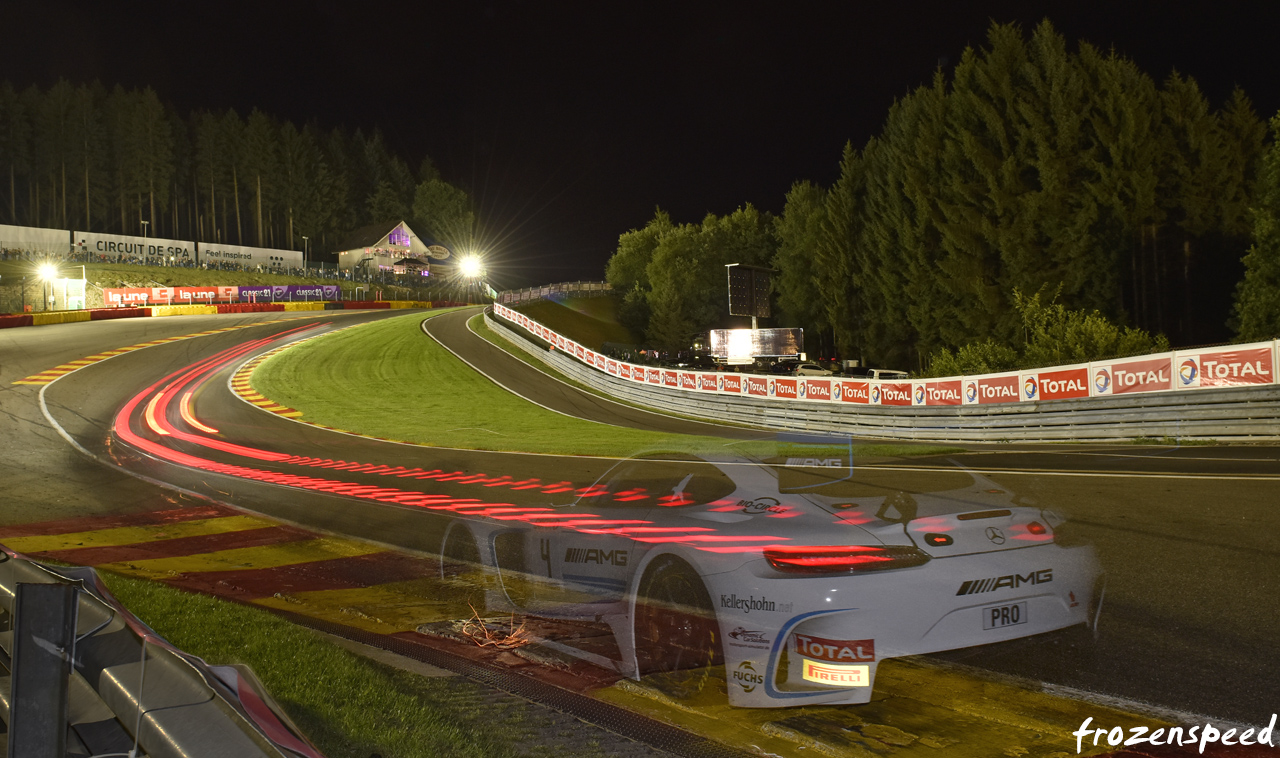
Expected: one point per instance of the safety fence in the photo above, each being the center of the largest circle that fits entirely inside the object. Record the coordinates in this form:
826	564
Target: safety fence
1224	393
85	670
100	314
554	291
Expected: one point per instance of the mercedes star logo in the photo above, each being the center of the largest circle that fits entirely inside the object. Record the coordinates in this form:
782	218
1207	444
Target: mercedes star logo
995	535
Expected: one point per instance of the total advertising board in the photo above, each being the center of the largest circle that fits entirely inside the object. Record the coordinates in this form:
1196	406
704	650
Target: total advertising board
148	250
1227	366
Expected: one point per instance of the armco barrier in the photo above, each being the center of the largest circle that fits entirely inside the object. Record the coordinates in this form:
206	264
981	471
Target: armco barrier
316	306
127	684
59	317
1250	413
10	320
250	307
183	310
106	314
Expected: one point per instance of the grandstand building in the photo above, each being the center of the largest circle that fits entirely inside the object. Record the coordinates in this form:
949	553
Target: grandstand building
399	250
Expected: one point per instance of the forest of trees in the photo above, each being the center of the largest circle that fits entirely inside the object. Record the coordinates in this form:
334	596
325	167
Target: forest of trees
88	158
1027	170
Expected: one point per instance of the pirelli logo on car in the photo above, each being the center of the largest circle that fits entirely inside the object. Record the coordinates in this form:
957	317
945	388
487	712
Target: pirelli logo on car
1012	581
835	674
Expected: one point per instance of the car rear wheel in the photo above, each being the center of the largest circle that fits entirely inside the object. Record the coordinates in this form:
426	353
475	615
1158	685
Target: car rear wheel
677	634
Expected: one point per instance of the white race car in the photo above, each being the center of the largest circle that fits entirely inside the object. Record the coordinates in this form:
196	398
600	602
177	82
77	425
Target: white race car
799	578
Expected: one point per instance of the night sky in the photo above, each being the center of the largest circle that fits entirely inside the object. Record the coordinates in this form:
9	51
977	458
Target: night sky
569	123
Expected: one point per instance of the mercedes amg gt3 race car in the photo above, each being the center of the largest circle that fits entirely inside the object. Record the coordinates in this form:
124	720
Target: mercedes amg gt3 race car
799	578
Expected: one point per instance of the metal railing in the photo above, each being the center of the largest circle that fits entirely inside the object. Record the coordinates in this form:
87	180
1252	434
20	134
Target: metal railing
1232	414
129	691
554	292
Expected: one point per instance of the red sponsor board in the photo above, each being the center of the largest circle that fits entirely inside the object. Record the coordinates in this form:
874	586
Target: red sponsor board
1001	389
1059	385
654	376
854	392
942	393
579	351
756	385
895	393
707	382
688	381
1231	367
732	383
1142	376
815	389
670	379
624	370
612	367
600	361
785	389
196	294
116	297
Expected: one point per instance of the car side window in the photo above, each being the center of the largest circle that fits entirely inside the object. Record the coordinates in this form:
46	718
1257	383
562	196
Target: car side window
666	483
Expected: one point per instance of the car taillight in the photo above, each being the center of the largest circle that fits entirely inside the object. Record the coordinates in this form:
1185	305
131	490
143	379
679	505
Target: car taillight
835	559
1035	527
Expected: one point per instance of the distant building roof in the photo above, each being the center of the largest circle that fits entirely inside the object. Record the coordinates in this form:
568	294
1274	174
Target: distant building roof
397	239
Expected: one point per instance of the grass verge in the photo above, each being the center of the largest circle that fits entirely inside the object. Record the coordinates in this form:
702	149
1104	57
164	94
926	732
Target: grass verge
386	379
346	704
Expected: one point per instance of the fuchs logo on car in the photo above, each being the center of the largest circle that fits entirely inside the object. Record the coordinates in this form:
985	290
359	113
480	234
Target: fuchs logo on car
1188	372
753	603
1236	367
1102	380
836	651
595	555
749	636
920	395
1011	581
971	392
756	386
1000	390
1029	388
746	676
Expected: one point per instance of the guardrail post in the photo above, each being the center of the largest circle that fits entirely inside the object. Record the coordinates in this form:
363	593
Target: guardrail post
43	648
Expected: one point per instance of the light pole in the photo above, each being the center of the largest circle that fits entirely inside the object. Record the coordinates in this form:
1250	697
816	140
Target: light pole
145	224
305	247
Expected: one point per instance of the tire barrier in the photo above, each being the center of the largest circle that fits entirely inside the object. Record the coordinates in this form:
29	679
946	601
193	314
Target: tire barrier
130	688
1239	413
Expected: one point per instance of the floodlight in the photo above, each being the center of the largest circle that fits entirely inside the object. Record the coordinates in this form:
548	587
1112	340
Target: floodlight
48	271
471	266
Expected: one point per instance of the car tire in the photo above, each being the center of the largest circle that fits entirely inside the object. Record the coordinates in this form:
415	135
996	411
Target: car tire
676	631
